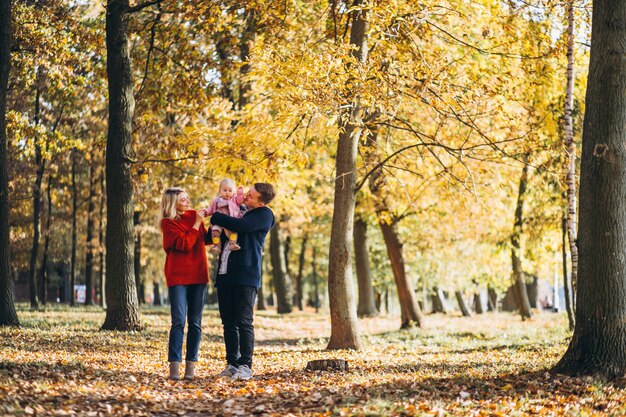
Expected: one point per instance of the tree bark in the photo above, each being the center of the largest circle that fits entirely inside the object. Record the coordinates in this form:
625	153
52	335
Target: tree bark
439	301
367	306
40	163
598	346
316	291
301	259
345	331
281	279
74	214
518	275
492	299
569	307
101	244
121	294
478	304
8	316
156	294
245	46
89	254
137	260
571	147
462	305
46	244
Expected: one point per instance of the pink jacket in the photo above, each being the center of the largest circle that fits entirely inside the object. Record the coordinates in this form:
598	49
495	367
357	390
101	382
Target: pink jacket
233	204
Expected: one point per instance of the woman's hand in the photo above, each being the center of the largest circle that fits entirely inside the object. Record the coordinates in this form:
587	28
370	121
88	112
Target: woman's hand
200	215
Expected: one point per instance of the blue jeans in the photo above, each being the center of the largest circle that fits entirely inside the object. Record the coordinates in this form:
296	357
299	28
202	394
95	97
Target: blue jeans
185	301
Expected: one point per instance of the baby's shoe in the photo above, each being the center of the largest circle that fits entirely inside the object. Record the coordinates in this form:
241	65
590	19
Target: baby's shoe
233	246
215	249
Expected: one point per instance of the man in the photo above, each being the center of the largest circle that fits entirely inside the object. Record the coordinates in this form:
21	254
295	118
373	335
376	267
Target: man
239	277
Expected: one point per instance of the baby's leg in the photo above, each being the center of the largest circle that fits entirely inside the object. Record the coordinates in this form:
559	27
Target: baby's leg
232	241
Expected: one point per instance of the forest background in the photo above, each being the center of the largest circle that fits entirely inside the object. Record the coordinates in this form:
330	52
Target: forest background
464	118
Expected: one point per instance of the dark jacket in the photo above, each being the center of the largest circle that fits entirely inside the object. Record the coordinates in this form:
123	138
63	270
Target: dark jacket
244	265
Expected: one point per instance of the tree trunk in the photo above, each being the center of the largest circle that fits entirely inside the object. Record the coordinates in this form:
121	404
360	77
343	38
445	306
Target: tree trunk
260	301
462	305
366	307
345	332
410	312
137	263
156	294
121	294
492	299
281	279
8	316
566	281
101	246
247	41
316	291
74	214
439	301
89	254
571	147
518	275
300	273
46	244
478	304
598	346
41	166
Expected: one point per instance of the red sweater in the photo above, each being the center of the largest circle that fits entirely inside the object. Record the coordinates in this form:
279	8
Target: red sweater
185	263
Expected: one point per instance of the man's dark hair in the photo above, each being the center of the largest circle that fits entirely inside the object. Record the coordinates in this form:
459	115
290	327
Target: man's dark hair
266	190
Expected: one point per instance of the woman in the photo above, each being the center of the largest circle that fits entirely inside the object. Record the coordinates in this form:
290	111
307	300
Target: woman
186	273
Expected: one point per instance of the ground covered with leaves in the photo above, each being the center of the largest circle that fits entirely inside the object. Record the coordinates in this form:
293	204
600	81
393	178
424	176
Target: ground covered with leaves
59	363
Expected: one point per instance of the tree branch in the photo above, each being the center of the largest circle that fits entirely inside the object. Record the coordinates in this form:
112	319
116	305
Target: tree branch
142	6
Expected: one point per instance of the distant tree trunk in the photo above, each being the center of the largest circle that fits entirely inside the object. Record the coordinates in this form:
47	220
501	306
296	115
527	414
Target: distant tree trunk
518	275
74	214
8	316
46	244
247	41
462	305
137	263
345	332
156	295
410	313
316	290
300	272
41	166
492	299
260	301
281	279
101	246
571	148
121	293
439	301
89	254
478	304
366	307
598	346
566	280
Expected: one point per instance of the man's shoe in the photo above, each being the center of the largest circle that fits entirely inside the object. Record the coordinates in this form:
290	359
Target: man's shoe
229	371
243	372
175	371
189	370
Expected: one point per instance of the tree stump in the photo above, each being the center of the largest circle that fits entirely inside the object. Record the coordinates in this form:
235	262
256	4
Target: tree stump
327	365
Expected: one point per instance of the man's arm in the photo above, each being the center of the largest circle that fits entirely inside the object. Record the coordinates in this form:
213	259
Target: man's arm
253	221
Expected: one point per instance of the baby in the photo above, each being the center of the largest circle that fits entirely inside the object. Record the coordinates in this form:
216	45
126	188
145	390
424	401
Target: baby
226	202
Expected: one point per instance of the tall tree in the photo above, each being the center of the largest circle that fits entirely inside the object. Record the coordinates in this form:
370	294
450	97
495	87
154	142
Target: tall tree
521	295
8	316
74	231
121	294
282	281
598	345
569	302
40	164
345	331
366	306
89	252
571	148
299	283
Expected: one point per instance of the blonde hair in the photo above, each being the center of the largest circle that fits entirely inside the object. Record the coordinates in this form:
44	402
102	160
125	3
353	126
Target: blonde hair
168	204
226	181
